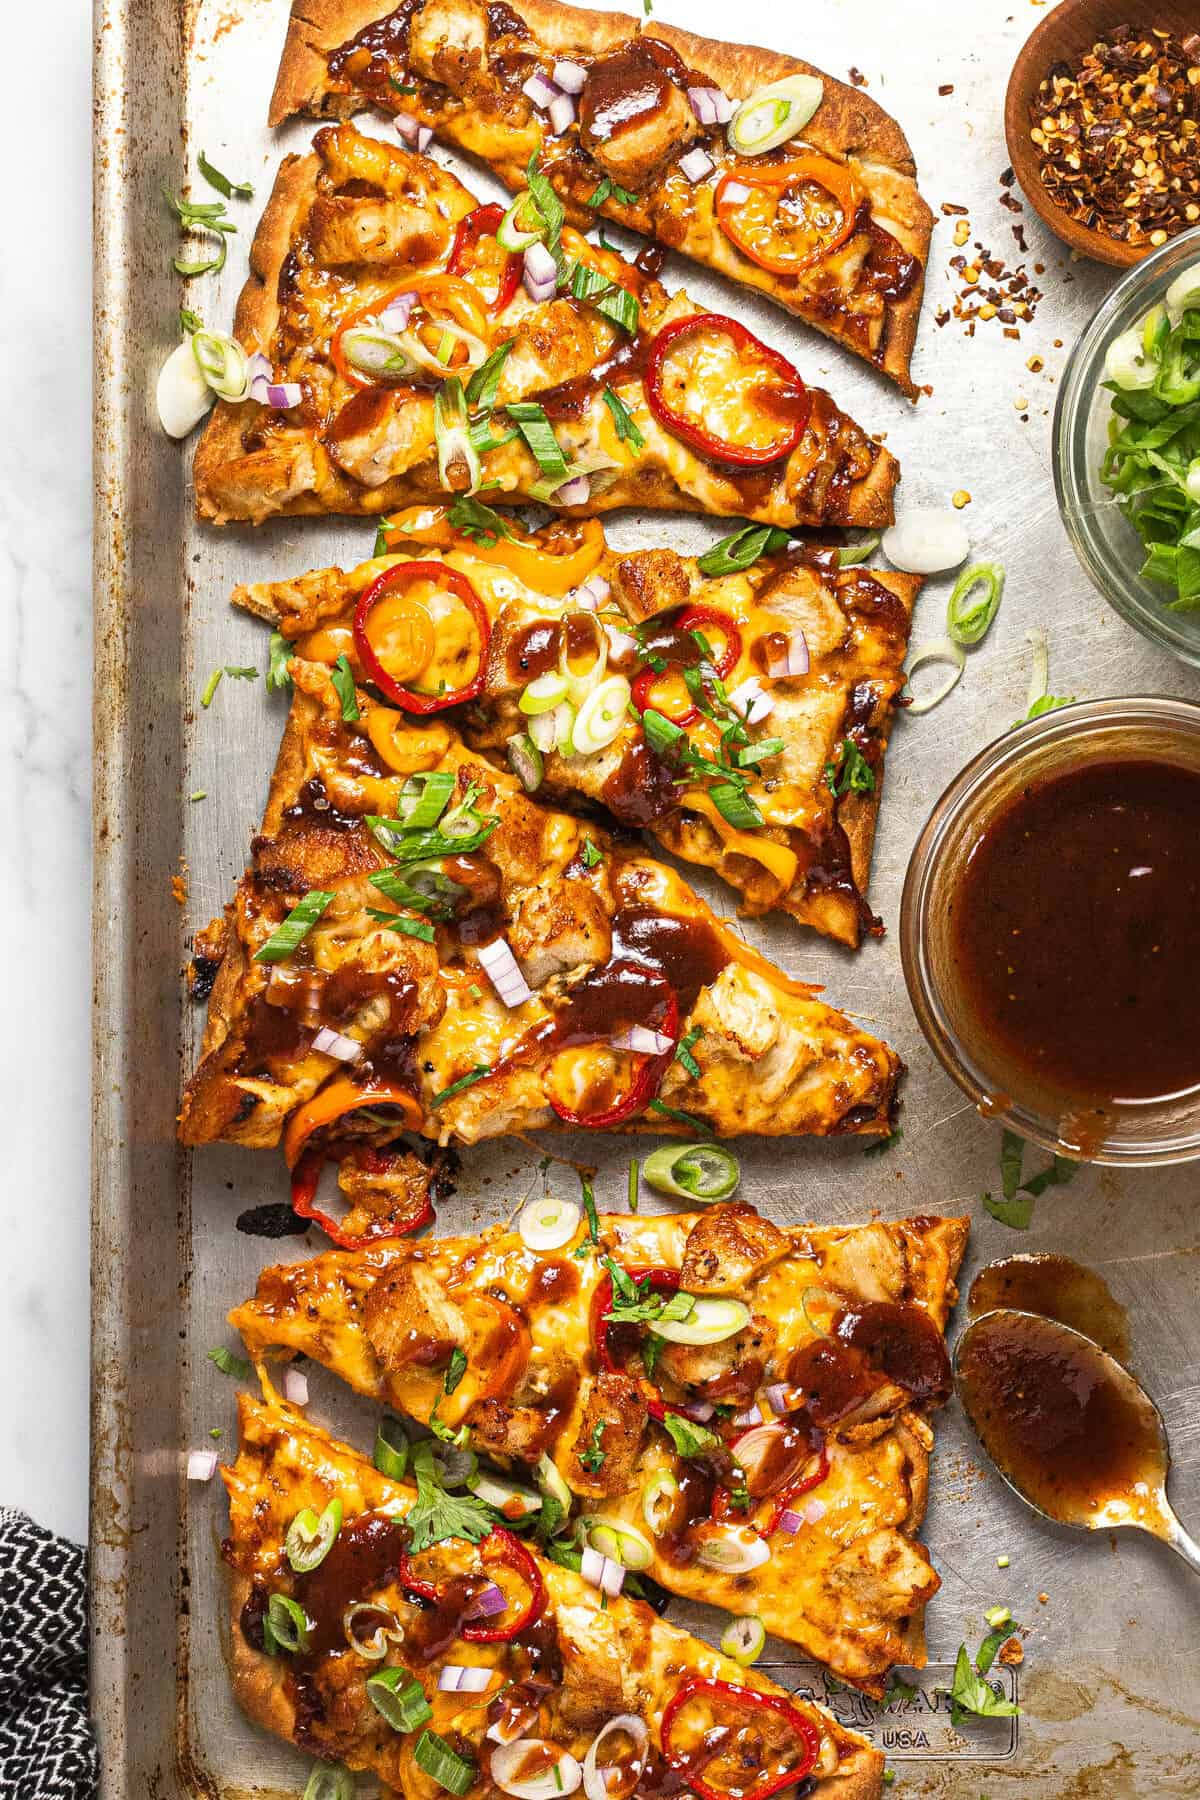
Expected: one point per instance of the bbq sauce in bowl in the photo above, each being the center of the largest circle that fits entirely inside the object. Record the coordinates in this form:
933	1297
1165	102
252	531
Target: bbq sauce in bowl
1075	930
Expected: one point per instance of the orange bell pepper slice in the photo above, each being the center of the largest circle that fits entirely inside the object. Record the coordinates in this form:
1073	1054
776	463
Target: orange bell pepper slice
451	293
786	241
339	1096
541	569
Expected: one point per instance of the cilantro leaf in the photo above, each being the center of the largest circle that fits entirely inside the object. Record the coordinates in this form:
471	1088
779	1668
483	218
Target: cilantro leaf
688	1439
593	1457
438	1515
455	1369
970	1693
852	773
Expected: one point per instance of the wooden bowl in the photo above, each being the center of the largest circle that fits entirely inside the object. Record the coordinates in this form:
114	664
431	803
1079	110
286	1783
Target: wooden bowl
1063	36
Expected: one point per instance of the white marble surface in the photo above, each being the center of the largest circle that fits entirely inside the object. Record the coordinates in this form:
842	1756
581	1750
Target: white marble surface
45	818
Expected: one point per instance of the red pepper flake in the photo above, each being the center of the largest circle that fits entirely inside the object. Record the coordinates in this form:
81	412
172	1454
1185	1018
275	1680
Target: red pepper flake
858	79
946	88
1118	135
951	210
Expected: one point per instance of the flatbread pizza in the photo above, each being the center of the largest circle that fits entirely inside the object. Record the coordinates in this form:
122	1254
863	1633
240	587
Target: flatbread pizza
737	1409
741	716
401	354
754	163
405	1630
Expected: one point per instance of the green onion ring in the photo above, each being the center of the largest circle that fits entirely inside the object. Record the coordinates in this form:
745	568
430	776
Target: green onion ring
968	621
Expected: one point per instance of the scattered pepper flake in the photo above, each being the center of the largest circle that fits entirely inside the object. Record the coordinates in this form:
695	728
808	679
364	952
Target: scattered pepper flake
1035	364
857	78
947	87
960	499
1012	1653
962	231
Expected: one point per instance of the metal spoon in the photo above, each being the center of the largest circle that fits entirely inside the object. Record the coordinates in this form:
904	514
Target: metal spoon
1068	1428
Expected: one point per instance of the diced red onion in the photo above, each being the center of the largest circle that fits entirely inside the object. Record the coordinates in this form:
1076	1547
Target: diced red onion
283	395
620	643
407	127
751	1416
601	1572
487	1603
778	1397
424	138
735	193
643	1041
507	1731
397	312
332	1043
464	1678
790	1521
574	492
259	375
700	1410
814	1510
751	700
592	593
562	114
711	105
295	1386
540	89
541	273
796	660
570	77
697	164
201	1465
504	973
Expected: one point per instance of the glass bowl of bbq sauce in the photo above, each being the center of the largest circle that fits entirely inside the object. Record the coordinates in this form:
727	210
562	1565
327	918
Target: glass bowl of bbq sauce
1050	931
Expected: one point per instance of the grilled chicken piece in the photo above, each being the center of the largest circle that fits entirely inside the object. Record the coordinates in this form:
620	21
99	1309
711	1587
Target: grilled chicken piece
598	1681
409	1319
610	1433
345	231
558	928
447	41
728	1247
651	581
883	1575
632	117
731	1370
381	432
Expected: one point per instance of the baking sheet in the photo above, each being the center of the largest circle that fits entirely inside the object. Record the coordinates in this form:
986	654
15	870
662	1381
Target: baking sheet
1110	1685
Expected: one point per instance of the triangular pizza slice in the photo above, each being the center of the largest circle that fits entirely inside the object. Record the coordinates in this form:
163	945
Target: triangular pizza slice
734	1408
399	1627
418	945
742	716
756	164
401	353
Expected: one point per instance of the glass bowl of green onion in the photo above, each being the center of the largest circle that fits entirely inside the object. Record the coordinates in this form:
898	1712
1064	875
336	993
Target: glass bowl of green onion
1127	447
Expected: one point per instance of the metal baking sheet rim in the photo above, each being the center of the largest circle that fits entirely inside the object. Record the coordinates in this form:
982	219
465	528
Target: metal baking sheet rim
143	1273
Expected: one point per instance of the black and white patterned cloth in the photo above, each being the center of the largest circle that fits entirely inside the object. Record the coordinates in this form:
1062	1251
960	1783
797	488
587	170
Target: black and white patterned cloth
47	1748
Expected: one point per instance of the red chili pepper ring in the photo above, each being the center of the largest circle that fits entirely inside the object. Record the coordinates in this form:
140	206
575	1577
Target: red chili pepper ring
749	1701
783	397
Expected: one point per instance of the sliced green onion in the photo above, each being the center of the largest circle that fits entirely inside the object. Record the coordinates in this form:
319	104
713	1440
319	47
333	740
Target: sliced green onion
658	1501
622	418
485	382
224	184
1127	363
375	352
742	548
525	761
969	620
1183	295
849	555
615	302
511	234
287	937
735	805
695	1172
508	1497
743	1639
478	1073
399	1698
939	650
550	207
631	1189
329	1781
760	752
222	362
443	1765
997	1616
391	1449
710	1321
477	521
774	113
342	677
413	928
425	797
450	428
310	1539
551	1482
530	419
287	1622
618	1540
662	734
601	716
543	694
